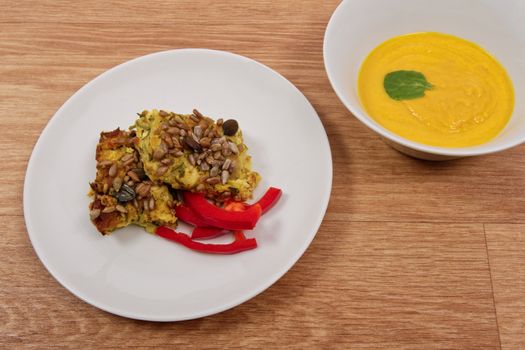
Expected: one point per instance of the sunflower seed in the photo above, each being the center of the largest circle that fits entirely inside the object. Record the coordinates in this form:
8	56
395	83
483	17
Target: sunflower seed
194	118
94	213
164	126
126	178
232	166
121	208
204	166
183	126
143	189
162	170
191	158
176	142
178	153
105	188
117	183
160	151
224	176
210	160
151	203
197	113
130	183
226	152
197	131
167	161
233	147
178	119
200	187
135	203
213	180
216	147
205	142
108	210
168	141
128	162
163	113
133	176
105	163
182	132
126	157
214	171
219	121
113	170
173	130
217	155
226	164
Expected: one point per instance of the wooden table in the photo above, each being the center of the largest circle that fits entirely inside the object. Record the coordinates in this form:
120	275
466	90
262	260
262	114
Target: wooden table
411	254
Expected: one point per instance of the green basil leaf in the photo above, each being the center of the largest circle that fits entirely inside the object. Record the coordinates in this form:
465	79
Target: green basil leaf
406	85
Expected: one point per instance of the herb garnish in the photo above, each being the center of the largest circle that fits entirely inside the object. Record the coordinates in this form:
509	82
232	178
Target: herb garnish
406	85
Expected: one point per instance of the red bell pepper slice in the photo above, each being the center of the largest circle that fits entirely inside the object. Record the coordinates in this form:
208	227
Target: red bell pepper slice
183	239
239	236
189	216
222	218
207	232
269	199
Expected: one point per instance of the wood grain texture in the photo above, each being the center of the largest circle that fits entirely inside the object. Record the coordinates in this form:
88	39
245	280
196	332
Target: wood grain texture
392	286
400	261
506	246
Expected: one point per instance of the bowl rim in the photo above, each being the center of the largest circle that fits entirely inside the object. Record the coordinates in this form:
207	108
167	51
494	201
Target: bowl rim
370	123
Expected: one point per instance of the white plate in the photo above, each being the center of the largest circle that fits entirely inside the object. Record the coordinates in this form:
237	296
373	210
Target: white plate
139	275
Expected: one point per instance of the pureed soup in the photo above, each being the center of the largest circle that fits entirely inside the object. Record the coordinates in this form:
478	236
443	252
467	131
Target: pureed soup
436	89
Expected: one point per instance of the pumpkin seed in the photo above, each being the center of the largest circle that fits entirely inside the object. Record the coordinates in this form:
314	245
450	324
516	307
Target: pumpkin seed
230	127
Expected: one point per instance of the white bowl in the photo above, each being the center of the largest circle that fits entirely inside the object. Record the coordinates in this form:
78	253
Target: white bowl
359	26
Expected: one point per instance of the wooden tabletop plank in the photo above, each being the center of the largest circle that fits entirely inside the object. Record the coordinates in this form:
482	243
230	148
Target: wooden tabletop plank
360	285
506	247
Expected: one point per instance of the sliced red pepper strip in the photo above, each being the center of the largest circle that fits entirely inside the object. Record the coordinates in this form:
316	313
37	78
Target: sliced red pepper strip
236	206
269	199
185	240
189	216
219	217
207	232
239	236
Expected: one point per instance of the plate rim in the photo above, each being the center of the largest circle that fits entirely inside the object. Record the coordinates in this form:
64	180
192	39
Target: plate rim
58	115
